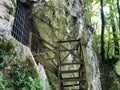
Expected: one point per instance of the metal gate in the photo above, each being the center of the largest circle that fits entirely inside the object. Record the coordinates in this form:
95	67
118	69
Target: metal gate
21	26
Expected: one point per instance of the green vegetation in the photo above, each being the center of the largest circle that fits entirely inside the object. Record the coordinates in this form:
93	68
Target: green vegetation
111	26
16	75
82	86
117	67
111	37
107	33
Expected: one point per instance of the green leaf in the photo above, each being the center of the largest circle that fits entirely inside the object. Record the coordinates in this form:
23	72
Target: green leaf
30	78
1	79
2	86
117	67
25	88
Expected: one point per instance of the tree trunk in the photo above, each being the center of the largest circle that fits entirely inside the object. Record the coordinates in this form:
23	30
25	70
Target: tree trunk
115	38
118	7
102	31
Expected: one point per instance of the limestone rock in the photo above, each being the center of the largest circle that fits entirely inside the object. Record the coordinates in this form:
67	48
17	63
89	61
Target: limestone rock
64	20
7	13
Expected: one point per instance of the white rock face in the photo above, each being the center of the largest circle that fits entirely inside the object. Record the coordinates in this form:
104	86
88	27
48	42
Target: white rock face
43	76
7	13
92	63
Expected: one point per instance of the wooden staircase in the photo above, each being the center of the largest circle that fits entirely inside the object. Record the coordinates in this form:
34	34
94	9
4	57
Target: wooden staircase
71	74
72	79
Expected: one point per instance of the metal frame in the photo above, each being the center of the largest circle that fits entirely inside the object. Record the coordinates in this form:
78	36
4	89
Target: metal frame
21	26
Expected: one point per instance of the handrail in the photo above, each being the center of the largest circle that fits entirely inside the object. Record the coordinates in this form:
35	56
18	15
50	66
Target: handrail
44	41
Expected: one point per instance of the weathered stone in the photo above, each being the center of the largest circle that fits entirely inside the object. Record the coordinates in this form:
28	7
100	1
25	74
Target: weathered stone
7	13
21	52
65	19
55	20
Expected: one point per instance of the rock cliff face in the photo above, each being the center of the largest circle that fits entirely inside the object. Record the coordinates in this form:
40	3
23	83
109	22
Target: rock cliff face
16	49
57	20
18	53
65	20
7	13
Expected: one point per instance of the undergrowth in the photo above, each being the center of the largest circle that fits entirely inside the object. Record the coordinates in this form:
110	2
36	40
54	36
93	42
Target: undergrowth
16	74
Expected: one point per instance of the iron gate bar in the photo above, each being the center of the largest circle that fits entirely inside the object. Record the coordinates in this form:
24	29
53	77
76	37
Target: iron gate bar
22	26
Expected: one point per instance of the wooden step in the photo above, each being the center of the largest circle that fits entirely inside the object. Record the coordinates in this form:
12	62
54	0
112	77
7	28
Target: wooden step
72	79
72	63
63	50
70	71
72	85
68	41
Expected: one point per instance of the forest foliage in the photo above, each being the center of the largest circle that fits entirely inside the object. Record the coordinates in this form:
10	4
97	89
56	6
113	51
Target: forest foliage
16	75
104	16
